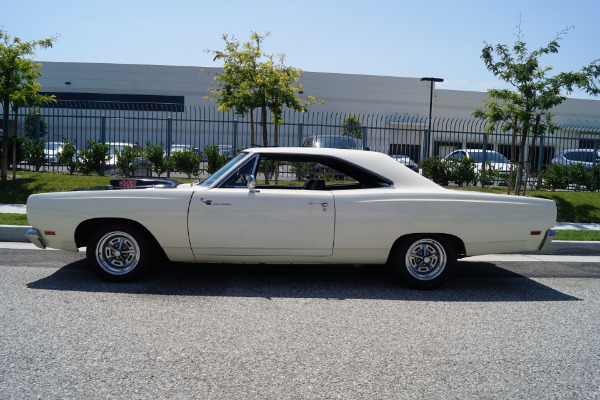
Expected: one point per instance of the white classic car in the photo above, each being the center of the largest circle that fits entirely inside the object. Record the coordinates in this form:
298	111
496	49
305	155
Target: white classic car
356	207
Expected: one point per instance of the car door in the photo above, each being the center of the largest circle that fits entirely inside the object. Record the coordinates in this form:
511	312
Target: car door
267	222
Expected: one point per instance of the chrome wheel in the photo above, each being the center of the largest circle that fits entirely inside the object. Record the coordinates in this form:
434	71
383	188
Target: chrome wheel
426	259
117	253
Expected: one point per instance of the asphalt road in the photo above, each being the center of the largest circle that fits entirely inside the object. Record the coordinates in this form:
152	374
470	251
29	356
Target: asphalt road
498	330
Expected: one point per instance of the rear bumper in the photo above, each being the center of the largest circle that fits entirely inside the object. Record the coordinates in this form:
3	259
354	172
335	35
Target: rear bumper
34	237
550	235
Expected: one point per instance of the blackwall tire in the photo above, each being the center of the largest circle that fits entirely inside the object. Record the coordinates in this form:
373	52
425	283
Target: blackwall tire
424	261
119	253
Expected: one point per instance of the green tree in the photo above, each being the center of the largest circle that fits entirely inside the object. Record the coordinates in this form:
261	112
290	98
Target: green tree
351	126
526	109
17	81
252	79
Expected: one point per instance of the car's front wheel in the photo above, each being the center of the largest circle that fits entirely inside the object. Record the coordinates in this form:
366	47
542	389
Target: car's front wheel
119	252
424	261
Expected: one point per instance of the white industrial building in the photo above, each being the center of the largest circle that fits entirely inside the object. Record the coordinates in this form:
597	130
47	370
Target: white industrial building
394	111
365	94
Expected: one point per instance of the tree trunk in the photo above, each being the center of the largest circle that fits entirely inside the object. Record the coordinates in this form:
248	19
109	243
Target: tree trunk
14	147
4	168
263	113
276	140
530	162
251	127
521	161
512	156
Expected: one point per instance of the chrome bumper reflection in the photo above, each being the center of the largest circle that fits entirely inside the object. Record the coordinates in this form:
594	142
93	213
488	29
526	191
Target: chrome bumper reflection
550	235
34	237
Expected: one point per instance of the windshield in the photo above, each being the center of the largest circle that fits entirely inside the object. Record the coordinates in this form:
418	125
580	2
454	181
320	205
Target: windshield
491	156
114	147
211	179
338	142
52	146
179	148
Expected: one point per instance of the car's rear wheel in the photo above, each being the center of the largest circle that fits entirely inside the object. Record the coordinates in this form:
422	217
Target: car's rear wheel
119	252
424	261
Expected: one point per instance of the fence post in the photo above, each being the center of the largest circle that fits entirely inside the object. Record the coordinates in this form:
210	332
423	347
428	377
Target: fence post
103	140
483	165
37	125
540	161
300	133
364	137
169	140
425	144
103	129
235	136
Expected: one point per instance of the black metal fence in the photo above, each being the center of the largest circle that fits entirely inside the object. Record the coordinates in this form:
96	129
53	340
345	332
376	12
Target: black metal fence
197	127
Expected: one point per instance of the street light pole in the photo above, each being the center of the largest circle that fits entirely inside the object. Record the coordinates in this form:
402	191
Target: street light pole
428	135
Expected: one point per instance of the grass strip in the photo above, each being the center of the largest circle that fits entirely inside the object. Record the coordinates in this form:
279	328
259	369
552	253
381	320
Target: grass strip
585	236
13	219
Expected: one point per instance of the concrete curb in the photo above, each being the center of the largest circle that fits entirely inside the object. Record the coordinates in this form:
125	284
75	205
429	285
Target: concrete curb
11	233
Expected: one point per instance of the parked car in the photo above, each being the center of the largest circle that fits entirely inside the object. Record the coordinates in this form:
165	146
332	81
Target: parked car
586	157
379	213
113	147
182	147
51	149
405	160
496	160
332	142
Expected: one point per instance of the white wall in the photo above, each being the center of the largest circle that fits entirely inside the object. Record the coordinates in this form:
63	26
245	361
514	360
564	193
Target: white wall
341	92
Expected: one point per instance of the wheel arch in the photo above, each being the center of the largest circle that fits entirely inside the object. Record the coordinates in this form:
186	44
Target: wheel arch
84	230
457	244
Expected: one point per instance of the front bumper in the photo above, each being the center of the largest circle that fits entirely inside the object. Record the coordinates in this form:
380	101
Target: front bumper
34	237
550	235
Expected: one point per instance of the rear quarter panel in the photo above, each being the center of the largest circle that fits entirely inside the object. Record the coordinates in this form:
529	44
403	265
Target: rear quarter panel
162	211
368	222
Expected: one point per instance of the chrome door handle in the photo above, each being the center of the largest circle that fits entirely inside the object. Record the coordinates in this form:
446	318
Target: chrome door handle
324	204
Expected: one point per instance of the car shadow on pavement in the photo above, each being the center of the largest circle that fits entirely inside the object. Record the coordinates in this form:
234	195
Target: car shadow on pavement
473	282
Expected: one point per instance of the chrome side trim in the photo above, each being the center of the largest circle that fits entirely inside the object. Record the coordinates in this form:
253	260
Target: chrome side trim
34	237
550	235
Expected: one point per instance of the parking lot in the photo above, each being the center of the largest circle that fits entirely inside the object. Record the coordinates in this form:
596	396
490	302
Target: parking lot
499	329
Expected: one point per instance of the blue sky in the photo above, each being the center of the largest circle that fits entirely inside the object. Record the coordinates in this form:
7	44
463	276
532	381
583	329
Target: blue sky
393	38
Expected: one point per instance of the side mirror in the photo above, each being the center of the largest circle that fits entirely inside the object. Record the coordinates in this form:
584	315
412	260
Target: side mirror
252	184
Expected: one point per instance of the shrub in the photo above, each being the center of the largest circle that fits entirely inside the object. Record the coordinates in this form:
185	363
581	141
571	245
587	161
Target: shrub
461	171
555	177
67	156
156	157
34	152
595	178
215	158
579	176
125	159
186	162
93	157
20	150
435	169
487	175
